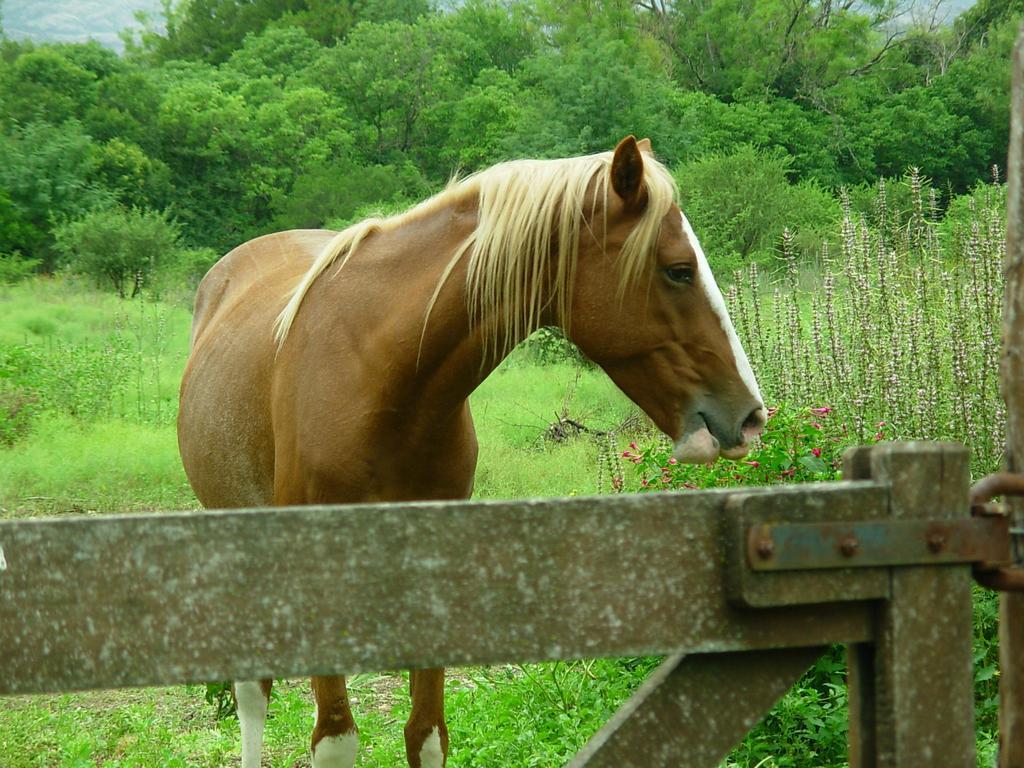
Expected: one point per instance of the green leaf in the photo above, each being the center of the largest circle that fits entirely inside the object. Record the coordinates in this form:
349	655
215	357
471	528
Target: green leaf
813	464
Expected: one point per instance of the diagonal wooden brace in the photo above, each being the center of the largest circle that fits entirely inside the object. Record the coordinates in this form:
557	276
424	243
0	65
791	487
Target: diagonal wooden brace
694	709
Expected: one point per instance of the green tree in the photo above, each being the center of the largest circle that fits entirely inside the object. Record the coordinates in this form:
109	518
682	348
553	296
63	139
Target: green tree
705	124
791	48
118	247
480	122
329	21
975	23
15	231
131	176
297	133
92	57
388	75
48	174
586	97
277	53
44	85
326	21
210	30
486	34
126	104
207	141
916	128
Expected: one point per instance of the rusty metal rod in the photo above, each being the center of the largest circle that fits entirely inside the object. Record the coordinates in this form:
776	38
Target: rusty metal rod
998	484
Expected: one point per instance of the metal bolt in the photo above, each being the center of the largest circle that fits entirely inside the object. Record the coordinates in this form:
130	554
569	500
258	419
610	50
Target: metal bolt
936	542
849	546
765	549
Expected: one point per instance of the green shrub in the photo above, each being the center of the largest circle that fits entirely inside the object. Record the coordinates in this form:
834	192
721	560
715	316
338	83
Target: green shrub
118	246
340	191
80	381
14	267
188	267
740	204
18	408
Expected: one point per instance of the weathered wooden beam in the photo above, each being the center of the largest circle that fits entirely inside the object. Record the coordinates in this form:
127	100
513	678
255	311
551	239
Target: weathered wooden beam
693	710
99	602
1011	606
911	691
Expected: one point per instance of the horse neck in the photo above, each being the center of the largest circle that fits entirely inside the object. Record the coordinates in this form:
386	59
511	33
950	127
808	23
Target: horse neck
379	301
442	361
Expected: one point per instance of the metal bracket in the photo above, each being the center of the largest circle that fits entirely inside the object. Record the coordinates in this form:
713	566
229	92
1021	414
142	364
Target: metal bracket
877	543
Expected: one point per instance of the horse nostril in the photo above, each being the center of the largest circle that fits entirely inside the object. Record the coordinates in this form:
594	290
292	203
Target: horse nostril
753	424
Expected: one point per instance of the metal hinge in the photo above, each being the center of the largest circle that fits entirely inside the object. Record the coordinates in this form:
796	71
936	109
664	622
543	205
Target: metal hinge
1008	575
985	540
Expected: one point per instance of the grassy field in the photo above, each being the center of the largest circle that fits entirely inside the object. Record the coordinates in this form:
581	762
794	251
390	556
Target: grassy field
88	387
122	456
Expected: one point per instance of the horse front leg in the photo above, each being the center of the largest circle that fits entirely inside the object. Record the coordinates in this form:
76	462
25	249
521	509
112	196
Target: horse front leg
251	699
426	735
335	736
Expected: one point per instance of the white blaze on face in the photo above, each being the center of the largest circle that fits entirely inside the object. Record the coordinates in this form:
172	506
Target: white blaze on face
718	306
431	755
252	716
697	444
336	751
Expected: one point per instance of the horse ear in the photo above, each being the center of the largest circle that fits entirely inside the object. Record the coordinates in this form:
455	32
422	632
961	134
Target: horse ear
627	170
645	146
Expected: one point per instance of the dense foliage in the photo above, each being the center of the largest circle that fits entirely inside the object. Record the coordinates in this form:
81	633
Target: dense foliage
236	118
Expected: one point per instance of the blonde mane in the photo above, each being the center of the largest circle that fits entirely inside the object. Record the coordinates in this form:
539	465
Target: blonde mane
523	207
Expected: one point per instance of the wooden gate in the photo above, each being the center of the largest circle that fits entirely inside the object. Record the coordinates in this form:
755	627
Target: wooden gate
742	589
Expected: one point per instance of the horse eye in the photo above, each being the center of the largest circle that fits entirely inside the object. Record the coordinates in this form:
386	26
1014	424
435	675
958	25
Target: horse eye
682	275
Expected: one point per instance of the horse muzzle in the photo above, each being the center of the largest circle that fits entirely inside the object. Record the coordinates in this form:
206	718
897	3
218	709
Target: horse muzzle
703	440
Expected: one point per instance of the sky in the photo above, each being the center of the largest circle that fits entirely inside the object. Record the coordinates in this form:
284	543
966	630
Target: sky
72	21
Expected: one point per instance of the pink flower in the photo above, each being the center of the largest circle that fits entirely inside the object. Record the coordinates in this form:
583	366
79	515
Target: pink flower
627	455
823	411
754	464
816	425
816	451
772	412
879	437
644	482
673	461
633	446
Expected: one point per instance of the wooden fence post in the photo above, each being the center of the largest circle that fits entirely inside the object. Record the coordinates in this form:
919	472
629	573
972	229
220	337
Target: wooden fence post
1011	606
911	696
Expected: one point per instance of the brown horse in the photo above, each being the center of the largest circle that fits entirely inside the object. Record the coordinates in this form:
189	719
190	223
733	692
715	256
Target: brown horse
359	391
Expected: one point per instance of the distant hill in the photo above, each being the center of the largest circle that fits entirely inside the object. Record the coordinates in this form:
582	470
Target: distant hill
73	21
